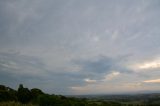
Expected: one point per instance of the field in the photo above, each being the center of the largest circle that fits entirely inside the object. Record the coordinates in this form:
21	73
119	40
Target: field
15	104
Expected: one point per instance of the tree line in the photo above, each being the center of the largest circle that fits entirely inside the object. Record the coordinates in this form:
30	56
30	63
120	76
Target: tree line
38	97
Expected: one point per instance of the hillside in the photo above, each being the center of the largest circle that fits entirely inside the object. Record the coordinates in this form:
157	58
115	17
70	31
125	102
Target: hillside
36	97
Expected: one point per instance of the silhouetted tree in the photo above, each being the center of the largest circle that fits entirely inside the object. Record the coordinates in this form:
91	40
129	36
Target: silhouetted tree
2	87
7	94
35	92
24	94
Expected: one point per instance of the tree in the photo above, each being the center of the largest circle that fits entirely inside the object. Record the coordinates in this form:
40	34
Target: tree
35	92
24	94
7	94
2	87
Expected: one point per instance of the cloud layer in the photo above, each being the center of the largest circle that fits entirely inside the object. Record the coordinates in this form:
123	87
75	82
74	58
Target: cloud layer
79	47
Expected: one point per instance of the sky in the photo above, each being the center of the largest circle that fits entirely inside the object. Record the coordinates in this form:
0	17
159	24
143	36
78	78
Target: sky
75	47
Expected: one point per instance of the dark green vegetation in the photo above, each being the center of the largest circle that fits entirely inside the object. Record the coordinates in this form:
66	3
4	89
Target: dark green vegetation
36	97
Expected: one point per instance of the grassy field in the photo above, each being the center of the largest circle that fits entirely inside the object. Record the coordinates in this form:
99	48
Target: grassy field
14	104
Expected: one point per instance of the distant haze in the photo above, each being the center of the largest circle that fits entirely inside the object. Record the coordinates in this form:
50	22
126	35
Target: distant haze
80	46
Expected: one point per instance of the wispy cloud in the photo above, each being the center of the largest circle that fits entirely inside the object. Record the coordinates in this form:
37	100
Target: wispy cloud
89	80
152	81
112	75
146	65
150	65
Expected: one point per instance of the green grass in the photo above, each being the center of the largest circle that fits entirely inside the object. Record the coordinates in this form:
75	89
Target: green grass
14	104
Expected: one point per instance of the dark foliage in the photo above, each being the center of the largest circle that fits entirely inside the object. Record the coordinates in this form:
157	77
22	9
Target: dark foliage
36	96
23	94
7	94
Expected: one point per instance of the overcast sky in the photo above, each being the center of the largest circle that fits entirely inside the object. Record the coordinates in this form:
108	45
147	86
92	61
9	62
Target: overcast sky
80	46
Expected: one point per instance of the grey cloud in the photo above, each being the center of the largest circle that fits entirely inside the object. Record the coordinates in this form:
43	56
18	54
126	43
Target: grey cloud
64	42
100	65
31	71
103	64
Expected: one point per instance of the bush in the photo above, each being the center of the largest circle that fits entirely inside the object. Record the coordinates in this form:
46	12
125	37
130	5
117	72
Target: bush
46	100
